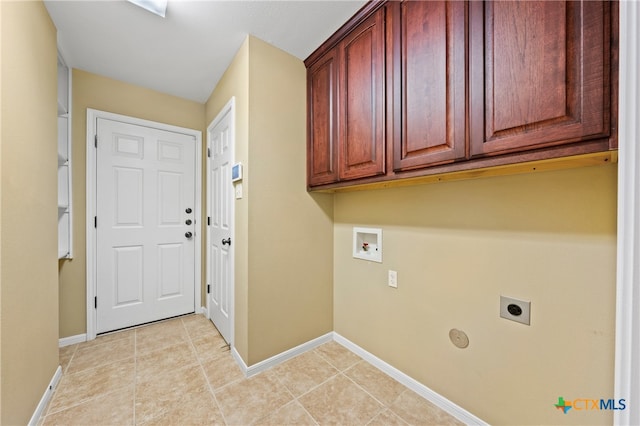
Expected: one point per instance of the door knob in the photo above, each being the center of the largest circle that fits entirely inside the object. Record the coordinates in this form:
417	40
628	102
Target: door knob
188	222
227	241
188	234
188	210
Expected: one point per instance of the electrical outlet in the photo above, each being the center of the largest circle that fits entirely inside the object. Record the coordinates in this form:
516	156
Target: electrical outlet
515	310
393	279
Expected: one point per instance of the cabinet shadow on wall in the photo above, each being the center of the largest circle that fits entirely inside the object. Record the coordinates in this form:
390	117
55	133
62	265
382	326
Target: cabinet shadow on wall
575	201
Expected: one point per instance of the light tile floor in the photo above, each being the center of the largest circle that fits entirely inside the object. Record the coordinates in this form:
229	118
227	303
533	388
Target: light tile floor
180	372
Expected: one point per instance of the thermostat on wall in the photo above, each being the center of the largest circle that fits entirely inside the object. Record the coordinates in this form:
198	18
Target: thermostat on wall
236	172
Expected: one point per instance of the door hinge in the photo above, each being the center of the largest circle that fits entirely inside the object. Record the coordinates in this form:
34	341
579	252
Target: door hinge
95	221
208	288
95	140
208	220
95	302
208	152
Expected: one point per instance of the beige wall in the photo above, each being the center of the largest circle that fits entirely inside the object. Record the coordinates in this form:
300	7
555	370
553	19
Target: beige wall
101	93
0	210
285	235
29	279
549	238
290	230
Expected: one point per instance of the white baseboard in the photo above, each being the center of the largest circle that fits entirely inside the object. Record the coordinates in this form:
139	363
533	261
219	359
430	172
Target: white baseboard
239	361
46	397
281	357
72	340
203	310
428	394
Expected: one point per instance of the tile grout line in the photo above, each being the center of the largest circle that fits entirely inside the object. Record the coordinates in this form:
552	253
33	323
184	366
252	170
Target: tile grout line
398	415
297	400
319	384
135	373
332	364
384	406
324	381
202	371
64	372
76	403
233	382
366	391
293	401
150	351
339	372
313	388
293	398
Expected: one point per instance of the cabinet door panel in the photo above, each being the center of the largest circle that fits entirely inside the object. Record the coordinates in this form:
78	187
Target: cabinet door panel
539	74
431	62
362	100
322	120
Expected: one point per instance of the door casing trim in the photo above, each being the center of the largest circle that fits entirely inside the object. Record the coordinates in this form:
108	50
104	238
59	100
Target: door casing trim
91	231
627	344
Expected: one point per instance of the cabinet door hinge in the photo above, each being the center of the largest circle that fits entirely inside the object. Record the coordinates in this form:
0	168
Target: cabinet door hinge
208	288
95	140
208	220
95	221
208	152
95	302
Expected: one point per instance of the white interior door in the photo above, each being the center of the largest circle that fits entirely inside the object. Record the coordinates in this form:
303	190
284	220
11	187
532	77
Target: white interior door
145	223
220	137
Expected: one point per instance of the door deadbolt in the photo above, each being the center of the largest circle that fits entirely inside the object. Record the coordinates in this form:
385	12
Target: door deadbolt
188	222
188	234
188	210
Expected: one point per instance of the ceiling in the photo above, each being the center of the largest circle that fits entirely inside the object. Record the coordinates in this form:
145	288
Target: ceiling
186	53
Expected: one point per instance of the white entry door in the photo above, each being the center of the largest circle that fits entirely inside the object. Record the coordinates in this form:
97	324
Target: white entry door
220	137
144	224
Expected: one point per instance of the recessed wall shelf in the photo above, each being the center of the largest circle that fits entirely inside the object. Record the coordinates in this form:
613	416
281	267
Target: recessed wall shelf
367	244
64	161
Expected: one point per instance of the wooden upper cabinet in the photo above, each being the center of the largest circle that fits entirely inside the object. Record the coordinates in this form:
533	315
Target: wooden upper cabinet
539	74
428	53
411	89
362	99
322	120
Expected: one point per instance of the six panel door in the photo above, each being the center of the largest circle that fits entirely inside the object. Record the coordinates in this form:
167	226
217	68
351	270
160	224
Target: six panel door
145	194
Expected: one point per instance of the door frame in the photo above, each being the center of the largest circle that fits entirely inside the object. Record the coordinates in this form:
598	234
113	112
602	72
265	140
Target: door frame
91	231
627	343
229	108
